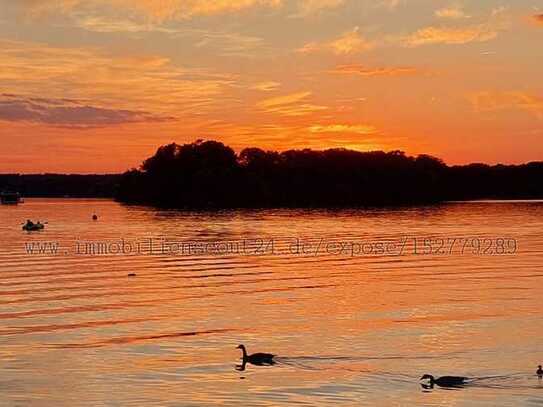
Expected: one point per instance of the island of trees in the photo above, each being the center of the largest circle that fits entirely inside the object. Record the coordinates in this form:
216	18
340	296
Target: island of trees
209	174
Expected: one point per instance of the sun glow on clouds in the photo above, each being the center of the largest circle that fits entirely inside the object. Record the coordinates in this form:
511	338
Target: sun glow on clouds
276	74
127	82
441	35
343	128
160	10
152	9
513	100
357	69
453	12
266	86
349	42
311	7
485	31
290	105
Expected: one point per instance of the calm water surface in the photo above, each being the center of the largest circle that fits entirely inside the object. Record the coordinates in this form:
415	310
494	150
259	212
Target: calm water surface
351	325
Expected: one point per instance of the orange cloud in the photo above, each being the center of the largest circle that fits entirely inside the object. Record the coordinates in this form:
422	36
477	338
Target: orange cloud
310	7
489	30
189	8
343	128
152	9
539	18
290	105
390	5
266	86
514	100
442	35
362	70
349	42
453	12
109	81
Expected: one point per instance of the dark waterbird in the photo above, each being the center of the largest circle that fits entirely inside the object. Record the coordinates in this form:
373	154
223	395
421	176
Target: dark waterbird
258	359
31	226
539	371
445	381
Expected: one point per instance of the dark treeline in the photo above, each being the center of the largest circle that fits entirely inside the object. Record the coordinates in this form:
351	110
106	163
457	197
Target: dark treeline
59	185
208	174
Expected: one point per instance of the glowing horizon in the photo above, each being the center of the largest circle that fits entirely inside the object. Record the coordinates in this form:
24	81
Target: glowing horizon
96	86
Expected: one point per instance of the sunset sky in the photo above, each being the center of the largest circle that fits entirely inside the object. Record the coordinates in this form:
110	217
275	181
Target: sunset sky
97	85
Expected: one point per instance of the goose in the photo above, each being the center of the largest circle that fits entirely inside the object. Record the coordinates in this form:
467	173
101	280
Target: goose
256	358
445	381
539	371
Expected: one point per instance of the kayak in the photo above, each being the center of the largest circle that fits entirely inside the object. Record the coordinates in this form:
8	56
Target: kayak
36	226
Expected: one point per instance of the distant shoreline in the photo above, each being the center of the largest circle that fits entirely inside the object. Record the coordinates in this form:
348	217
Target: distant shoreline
61	185
452	202
209	175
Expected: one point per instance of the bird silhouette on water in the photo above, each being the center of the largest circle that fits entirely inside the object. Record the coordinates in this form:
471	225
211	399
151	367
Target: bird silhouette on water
539	371
444	381
258	359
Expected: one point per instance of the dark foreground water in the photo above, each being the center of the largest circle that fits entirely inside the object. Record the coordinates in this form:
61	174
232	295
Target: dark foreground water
356	304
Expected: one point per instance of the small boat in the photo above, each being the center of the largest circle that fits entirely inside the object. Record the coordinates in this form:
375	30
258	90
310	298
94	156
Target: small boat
33	226
10	198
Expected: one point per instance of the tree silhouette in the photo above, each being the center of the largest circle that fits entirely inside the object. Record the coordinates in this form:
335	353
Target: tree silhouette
208	174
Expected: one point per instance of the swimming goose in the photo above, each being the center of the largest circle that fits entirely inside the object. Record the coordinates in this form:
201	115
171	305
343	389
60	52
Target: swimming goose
256	358
445	381
539	371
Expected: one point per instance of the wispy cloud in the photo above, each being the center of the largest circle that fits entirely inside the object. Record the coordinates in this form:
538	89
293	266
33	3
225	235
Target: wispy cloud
311	7
452	12
266	86
224	43
68	113
343	128
362	70
290	105
488	101
349	42
391	5
152	9
445	35
107	24
151	83
497	22
353	42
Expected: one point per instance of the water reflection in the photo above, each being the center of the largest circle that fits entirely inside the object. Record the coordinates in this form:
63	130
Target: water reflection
355	329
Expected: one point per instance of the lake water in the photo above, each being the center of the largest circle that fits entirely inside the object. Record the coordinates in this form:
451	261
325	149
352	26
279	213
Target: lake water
356	304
